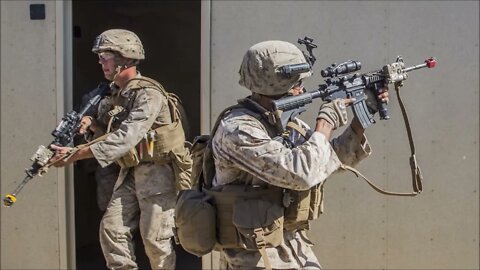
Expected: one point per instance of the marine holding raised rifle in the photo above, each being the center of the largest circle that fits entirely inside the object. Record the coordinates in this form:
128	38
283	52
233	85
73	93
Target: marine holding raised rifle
269	176
144	135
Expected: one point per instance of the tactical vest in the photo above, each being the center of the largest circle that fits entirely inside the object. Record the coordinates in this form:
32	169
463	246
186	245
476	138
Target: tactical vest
239	215
161	144
298	207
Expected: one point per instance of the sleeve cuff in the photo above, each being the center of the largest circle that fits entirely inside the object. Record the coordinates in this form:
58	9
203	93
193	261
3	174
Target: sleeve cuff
100	155
351	148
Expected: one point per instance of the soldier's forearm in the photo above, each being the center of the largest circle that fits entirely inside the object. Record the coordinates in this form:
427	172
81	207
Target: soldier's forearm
83	153
324	127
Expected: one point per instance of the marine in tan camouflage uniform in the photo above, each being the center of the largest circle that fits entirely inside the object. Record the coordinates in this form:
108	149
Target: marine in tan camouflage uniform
145	193
105	177
246	154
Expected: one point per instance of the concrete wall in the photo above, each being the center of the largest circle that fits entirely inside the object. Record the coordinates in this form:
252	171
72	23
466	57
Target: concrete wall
33	230
361	228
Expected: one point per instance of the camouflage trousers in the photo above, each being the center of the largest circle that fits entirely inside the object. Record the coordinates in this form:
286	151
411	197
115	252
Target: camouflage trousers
153	215
294	253
106	178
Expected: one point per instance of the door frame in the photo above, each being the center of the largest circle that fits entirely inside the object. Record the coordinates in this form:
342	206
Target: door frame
64	85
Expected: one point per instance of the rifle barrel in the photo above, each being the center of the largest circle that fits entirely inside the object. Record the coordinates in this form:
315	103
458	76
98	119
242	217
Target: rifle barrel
11	198
430	63
415	67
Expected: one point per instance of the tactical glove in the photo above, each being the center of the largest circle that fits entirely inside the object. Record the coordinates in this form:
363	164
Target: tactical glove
334	112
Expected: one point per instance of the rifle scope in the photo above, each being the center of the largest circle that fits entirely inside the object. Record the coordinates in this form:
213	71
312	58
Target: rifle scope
343	68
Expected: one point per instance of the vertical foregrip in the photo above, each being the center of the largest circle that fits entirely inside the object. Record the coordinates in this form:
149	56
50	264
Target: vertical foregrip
378	82
382	106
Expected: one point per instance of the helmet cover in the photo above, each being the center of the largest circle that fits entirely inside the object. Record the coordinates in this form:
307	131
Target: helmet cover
125	42
260	68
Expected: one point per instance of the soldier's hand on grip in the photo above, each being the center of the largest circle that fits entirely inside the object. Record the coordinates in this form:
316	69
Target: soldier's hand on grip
372	100
335	112
85	124
58	158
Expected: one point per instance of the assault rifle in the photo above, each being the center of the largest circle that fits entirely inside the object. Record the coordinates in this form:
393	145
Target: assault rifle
63	135
342	82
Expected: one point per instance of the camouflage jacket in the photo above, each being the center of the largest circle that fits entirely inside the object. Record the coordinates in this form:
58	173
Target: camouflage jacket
245	152
146	108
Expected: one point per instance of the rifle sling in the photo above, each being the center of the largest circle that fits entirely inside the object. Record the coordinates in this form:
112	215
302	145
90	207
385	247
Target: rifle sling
376	188
72	151
416	173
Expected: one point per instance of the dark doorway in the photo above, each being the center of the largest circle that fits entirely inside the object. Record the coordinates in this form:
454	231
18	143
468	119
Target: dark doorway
170	33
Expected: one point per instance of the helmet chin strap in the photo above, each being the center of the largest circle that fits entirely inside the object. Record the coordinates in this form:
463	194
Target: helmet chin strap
122	64
118	69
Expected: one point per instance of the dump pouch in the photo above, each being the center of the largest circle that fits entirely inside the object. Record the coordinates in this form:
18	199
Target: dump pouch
195	222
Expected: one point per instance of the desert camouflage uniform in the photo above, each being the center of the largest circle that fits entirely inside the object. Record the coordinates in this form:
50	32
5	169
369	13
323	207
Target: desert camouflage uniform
144	196
105	177
245	153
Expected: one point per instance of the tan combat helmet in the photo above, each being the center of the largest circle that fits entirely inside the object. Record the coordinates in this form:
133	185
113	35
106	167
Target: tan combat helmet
125	42
260	69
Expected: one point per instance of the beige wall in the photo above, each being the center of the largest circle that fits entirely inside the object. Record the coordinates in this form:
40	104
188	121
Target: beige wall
361	228
33	230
